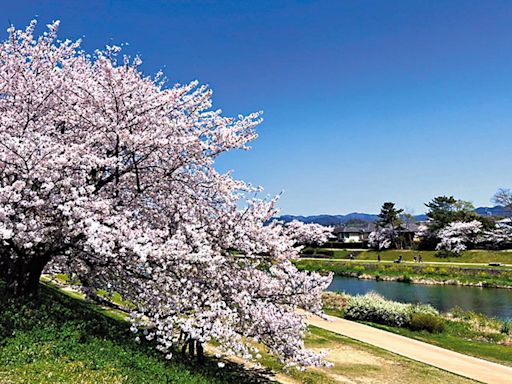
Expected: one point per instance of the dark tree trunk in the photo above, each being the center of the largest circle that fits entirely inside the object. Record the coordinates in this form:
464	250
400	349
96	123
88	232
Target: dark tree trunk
200	351
22	276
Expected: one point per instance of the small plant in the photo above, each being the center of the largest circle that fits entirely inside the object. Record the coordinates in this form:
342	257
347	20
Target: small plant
506	327
337	301
426	322
444	254
405	279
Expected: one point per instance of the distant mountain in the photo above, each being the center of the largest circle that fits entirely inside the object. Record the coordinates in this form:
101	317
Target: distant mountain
370	218
494	211
330	219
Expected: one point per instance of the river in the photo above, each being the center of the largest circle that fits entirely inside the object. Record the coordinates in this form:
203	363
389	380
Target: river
492	302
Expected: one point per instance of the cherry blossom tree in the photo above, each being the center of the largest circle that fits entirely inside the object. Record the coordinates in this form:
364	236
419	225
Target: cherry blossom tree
498	237
381	238
458	235
108	174
305	234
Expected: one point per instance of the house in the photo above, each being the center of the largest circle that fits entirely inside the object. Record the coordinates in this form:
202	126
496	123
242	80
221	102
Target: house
353	234
360	233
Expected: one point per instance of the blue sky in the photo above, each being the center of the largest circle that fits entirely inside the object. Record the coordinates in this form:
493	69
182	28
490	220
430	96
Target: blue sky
364	101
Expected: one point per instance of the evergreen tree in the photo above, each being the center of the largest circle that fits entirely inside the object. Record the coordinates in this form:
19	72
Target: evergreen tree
390	216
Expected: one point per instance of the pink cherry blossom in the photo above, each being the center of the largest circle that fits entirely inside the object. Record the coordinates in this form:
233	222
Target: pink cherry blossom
108	174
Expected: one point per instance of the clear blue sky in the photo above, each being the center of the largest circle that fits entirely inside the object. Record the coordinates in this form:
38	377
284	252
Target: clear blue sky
365	101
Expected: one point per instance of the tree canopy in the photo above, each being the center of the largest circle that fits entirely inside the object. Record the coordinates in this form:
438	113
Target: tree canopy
389	215
108	174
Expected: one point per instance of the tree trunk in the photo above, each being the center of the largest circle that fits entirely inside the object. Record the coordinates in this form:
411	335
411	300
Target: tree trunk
22	276
200	351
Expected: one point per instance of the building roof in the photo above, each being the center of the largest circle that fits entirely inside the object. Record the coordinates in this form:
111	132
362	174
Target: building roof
370	227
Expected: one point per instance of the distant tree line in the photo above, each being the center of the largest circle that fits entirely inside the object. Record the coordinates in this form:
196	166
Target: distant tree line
452	226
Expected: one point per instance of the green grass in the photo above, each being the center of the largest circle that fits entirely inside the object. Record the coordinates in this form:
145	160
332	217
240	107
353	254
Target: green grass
472	256
487	276
61	339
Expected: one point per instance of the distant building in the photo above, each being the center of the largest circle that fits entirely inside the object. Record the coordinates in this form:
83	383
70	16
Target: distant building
360	233
353	234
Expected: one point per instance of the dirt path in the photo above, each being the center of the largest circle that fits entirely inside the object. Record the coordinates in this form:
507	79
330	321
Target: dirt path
463	365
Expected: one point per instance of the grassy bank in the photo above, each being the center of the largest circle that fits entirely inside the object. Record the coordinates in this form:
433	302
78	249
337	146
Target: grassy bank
63	339
427	273
471	256
461	331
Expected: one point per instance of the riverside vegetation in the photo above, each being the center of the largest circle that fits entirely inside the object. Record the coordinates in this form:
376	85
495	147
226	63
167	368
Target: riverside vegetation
461	331
441	272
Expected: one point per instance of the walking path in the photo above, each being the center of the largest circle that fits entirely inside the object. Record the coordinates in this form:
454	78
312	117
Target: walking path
463	365
437	263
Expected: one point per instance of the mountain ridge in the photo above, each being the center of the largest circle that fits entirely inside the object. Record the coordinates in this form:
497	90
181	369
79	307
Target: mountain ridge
325	219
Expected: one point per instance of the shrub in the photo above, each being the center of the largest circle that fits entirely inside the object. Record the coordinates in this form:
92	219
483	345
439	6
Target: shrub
337	301
404	279
426	322
373	307
506	327
443	254
428	270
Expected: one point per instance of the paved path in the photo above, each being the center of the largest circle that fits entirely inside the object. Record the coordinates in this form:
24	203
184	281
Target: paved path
463	365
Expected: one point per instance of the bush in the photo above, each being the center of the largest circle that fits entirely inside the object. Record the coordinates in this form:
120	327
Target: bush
336	301
443	254
426	322
373	307
428	270
506	327
404	279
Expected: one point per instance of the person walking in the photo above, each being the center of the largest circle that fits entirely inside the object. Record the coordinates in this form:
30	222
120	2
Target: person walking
378	257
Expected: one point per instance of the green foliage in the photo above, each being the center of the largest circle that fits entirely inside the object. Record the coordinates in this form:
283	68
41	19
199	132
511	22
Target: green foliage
373	307
506	327
63	340
389	215
426	322
444	210
445	254
442	272
462	331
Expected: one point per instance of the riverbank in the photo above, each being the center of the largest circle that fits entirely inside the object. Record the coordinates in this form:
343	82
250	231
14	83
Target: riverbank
461	331
478	256
417	273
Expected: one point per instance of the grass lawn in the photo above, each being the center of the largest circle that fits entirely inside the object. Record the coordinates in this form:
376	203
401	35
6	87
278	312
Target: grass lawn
451	272
471	256
63	339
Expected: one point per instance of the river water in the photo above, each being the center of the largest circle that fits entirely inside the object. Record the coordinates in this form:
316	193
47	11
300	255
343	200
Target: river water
493	302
